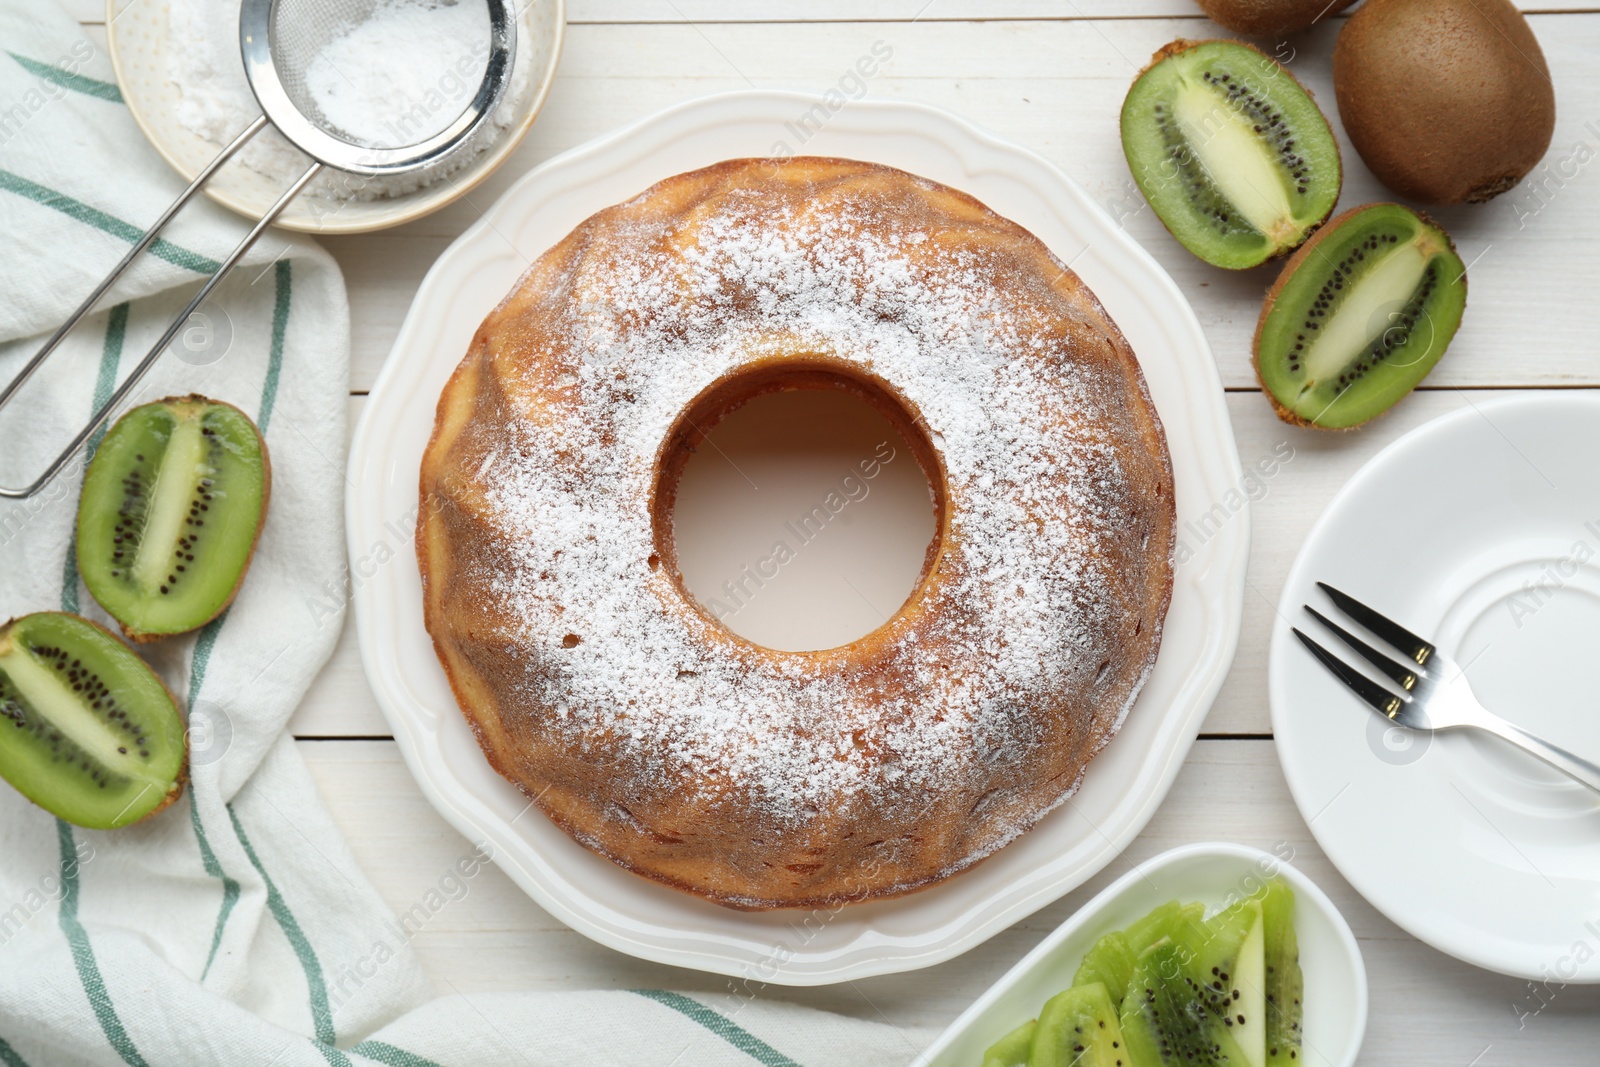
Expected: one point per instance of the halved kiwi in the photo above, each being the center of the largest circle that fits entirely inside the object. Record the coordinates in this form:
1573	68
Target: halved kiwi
87	730
1359	316
1230	150
172	505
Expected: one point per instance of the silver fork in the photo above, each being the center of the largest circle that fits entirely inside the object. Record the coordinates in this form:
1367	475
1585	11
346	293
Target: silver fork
1434	694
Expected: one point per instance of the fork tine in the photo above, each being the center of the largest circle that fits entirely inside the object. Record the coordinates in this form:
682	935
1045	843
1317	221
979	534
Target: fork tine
1380	699
1413	647
1402	675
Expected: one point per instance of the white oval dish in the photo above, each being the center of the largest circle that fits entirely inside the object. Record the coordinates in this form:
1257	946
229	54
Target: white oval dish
1215	874
1480	531
137	37
1125	783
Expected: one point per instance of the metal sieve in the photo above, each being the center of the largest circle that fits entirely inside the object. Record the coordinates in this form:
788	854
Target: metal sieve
279	40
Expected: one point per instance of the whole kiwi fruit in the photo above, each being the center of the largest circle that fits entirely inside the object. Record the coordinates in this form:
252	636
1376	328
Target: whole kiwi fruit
1448	101
1270	18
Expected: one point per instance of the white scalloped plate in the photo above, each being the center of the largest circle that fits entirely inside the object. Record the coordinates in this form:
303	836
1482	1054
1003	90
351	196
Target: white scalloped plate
1123	786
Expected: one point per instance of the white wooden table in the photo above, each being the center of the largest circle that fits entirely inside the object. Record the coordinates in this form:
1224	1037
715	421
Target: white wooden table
1049	74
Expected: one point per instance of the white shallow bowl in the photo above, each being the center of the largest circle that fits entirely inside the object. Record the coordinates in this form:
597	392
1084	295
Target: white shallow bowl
1215	874
136	32
1125	783
1481	532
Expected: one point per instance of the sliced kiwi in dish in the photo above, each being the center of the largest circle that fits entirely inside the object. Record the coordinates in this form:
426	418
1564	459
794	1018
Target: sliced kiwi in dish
1359	316
1230	150
172	505
87	730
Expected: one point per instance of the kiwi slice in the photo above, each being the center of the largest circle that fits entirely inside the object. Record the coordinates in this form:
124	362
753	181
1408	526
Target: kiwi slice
1359	316
1230	150
1225	973
1110	962
1284	981
1170	920
1079	1028
1162	1021
87	730
172	505
1013	1049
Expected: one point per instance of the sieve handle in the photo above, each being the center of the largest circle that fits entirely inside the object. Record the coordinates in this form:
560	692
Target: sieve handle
150	358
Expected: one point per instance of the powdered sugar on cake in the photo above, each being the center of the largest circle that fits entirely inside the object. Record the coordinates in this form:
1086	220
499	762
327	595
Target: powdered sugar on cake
1036	486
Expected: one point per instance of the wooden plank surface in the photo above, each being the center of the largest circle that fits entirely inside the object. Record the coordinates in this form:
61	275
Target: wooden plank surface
713	11
1426	1008
1049	74
1057	88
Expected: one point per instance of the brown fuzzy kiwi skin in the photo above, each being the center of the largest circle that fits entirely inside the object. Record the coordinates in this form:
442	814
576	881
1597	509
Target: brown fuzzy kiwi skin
139	637
1448	101
1181	45
1305	252
1270	18
182	778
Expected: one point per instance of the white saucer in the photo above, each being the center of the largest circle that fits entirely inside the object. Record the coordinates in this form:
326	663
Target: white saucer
1481	532
1124	785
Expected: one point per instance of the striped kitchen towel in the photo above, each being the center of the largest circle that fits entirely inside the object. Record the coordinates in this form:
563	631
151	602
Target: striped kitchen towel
218	931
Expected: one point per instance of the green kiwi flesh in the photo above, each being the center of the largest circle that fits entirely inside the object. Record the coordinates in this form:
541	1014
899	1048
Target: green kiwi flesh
1079	1028
1110	962
1230	151
1359	316
87	730
172	505
1224	971
1163	1023
1013	1049
1285	983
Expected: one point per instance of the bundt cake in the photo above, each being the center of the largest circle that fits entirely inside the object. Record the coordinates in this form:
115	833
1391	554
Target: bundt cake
635	720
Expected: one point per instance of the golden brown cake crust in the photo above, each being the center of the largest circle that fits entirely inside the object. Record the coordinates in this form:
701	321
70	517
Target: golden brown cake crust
758	778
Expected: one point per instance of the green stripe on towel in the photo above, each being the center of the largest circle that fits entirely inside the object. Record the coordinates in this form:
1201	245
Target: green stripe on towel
198	662
110	359
321	1014
230	888
283	278
386	1053
76	82
9	1057
94	986
93	216
721	1025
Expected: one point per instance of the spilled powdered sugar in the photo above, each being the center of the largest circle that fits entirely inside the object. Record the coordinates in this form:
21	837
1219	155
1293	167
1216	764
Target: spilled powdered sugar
1023	609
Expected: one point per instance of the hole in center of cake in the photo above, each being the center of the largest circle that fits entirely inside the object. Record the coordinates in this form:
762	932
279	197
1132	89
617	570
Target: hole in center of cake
799	506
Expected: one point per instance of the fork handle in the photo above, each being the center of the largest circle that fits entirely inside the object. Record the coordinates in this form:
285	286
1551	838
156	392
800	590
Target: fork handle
1573	766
